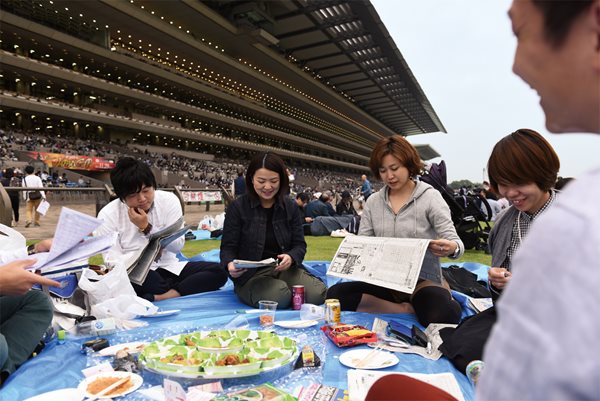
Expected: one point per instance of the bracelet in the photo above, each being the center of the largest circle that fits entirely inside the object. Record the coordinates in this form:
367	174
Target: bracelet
31	249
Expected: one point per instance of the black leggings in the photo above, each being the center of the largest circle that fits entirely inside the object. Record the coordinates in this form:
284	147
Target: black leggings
15	201
195	277
431	304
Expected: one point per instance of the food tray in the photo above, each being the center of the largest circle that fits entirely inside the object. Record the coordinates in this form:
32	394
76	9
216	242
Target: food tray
201	354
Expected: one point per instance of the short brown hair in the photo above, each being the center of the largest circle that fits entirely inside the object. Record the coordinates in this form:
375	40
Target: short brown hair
523	157
401	149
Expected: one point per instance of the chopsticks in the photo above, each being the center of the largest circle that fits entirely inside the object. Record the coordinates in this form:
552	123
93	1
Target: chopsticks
109	388
367	358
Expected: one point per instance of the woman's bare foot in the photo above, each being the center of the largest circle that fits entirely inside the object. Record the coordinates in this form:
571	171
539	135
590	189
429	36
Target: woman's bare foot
167	295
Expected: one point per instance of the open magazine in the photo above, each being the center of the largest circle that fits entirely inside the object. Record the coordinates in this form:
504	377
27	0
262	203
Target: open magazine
141	262
393	263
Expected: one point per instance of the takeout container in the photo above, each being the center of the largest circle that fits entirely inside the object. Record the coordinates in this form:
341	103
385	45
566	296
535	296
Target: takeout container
348	335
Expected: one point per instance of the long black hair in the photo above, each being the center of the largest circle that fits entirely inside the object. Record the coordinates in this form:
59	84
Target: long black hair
269	161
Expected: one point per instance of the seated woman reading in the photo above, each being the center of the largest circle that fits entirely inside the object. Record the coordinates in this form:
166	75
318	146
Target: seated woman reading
265	223
406	208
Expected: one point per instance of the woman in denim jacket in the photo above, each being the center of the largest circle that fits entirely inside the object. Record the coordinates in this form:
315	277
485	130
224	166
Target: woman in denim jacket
266	223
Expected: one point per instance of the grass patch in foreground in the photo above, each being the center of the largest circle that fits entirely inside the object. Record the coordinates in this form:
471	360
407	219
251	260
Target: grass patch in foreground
324	248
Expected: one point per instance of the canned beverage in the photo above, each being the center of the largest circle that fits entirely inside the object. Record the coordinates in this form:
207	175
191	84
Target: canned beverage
333	311
297	296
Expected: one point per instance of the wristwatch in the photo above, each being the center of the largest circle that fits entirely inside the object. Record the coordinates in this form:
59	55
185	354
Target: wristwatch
456	251
146	230
30	249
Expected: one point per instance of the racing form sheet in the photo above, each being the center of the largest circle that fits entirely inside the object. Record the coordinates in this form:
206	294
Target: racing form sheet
393	263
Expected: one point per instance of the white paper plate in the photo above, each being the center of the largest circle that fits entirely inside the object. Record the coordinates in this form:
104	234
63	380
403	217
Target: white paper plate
378	360
295	324
64	394
132	348
162	313
135	379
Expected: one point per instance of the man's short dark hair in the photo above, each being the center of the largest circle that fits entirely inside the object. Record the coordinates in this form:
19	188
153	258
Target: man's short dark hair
130	176
303	196
559	16
29	169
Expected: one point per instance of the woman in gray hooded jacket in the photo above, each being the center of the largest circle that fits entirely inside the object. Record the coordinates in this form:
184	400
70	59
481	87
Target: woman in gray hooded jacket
406	208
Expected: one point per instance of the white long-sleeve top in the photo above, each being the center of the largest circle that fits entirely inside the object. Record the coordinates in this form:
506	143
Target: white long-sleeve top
32	181
165	210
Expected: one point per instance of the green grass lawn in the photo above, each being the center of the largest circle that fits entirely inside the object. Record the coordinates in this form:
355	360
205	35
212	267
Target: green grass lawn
319	248
323	248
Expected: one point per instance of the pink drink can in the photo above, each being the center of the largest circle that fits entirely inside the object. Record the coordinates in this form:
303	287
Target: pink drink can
297	296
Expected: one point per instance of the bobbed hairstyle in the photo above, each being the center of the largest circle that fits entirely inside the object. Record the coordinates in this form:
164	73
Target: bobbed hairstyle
523	157
559	16
129	177
401	149
272	162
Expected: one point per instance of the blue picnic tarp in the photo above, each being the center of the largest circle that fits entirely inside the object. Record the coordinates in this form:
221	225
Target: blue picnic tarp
60	365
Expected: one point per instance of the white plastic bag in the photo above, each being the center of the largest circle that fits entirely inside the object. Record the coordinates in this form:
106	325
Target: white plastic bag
206	223
124	307
218	221
102	287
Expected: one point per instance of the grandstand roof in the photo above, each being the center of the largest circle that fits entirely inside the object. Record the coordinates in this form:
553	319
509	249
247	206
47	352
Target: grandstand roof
333	60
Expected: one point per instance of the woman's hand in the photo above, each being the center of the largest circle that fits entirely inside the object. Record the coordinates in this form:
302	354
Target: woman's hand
285	262
499	277
442	247
234	271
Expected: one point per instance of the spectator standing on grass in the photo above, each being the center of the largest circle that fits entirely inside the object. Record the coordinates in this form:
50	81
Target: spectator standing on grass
365	189
239	184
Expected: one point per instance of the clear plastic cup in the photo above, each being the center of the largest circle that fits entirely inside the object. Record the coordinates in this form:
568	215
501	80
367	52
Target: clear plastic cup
312	312
267	312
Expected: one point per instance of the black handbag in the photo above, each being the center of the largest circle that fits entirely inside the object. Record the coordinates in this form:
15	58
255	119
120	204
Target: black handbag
35	195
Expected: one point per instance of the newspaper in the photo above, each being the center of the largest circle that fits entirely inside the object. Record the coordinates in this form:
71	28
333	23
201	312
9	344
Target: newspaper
251	264
393	263
139	264
360	381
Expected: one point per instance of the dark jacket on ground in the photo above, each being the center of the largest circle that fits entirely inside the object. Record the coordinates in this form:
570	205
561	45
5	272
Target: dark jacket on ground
318	208
244	232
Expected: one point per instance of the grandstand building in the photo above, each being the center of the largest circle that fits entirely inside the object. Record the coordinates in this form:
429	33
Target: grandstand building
317	81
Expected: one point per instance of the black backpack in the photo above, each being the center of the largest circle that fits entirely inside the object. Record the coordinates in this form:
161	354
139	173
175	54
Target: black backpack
462	280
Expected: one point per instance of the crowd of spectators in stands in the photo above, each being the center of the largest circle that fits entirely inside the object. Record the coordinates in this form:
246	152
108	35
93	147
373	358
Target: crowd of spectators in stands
219	172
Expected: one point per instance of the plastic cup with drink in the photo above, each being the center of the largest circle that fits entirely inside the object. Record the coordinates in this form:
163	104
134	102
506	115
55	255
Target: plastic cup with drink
267	312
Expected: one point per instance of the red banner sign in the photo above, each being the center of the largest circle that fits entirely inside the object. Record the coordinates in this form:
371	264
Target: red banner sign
73	162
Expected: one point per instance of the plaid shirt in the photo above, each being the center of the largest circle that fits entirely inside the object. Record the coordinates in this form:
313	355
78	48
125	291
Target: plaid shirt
523	222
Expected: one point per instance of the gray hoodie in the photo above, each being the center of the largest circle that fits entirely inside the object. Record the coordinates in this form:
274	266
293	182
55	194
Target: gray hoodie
426	215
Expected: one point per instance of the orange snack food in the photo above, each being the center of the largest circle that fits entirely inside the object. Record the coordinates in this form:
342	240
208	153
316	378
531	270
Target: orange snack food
103	382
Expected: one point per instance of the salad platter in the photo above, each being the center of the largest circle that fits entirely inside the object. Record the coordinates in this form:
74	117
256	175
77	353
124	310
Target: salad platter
219	354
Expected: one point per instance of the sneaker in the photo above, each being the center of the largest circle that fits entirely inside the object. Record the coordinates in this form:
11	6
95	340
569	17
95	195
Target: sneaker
28	224
36	224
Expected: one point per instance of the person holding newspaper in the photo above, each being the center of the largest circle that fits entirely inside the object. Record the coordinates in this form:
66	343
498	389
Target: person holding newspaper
139	211
406	208
265	223
24	315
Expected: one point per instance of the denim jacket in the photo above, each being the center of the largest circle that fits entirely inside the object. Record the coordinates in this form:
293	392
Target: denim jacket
244	232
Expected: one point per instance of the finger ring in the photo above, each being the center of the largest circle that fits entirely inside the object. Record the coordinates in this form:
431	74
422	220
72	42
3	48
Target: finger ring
441	248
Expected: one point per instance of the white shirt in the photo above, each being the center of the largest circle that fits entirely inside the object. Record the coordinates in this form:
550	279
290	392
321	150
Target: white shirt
165	211
32	181
545	345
